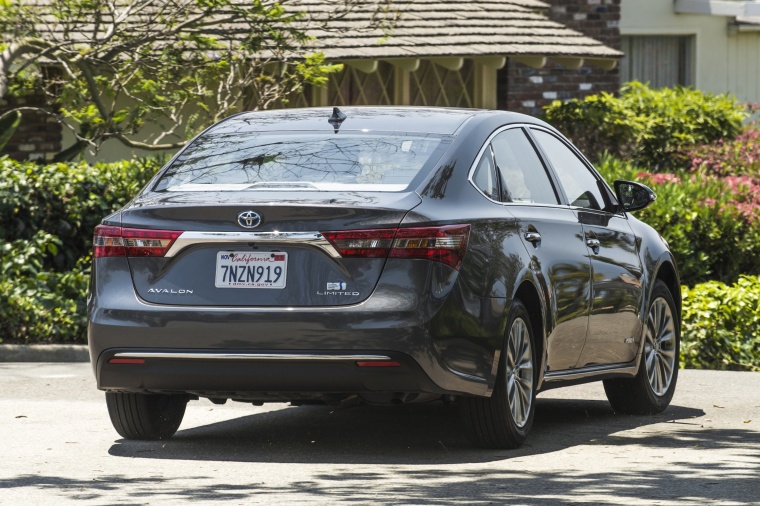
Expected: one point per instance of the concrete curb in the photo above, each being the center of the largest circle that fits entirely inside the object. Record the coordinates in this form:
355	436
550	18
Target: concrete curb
44	353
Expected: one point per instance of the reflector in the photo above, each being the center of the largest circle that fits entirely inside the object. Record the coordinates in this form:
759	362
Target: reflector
126	361
378	363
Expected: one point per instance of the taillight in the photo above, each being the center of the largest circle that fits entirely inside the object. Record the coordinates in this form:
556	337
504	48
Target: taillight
132	242
441	244
446	244
362	243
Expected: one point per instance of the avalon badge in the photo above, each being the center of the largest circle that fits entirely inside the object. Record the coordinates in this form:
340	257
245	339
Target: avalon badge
249	219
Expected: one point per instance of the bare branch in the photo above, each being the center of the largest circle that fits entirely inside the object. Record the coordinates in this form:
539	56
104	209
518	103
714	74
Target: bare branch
147	146
160	57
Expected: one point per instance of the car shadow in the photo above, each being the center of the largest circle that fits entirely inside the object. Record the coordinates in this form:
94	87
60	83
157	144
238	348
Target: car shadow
407	449
409	435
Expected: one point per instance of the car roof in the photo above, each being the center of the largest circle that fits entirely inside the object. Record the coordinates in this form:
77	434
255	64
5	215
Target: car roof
434	120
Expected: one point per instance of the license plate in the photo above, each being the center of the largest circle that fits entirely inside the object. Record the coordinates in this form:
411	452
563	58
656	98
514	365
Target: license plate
245	269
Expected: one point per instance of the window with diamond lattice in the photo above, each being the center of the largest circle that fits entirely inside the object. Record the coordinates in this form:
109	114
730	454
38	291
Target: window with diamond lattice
354	87
434	85
299	98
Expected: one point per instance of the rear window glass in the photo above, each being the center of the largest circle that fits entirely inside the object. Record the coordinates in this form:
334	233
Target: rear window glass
345	161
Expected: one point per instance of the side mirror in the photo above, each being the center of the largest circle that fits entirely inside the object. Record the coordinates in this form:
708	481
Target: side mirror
633	196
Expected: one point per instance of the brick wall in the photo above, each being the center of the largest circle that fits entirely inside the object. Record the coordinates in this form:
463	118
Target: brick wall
528	90
38	137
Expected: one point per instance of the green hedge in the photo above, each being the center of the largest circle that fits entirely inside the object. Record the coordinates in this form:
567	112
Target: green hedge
721	325
47	214
47	217
647	126
65	200
711	224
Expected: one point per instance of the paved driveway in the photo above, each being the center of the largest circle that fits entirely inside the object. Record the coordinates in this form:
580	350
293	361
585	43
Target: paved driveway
57	447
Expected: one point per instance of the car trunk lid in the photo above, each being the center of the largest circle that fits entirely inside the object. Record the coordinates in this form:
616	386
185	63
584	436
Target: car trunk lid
286	257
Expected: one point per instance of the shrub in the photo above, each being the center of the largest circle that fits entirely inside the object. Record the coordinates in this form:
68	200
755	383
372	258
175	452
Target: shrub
38	304
8	126
721	325
711	224
740	156
649	127
66	200
47	217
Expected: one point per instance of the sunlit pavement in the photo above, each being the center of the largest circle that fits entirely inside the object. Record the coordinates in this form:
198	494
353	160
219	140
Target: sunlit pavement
58	447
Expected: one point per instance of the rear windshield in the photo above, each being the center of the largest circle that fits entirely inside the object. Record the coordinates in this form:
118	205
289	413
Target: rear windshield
346	161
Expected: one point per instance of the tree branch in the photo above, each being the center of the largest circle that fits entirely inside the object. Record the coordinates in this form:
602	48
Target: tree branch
8	56
147	146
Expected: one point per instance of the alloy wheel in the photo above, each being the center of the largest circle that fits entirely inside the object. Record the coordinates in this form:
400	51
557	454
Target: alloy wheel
660	346
519	372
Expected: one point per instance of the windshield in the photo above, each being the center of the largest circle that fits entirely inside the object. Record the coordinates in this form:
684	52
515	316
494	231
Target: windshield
290	161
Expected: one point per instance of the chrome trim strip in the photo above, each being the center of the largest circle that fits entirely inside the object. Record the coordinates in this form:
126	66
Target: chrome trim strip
590	371
190	238
268	357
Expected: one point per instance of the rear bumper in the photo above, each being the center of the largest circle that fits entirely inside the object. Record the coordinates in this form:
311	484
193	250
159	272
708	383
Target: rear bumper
269	375
445	339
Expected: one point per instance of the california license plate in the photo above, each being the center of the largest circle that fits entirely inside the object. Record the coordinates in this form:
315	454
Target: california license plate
246	269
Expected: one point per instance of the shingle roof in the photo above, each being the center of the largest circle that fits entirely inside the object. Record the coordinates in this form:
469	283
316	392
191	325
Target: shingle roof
429	28
424	29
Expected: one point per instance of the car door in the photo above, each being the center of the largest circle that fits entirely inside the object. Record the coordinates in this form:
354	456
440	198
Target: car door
614	328
551	234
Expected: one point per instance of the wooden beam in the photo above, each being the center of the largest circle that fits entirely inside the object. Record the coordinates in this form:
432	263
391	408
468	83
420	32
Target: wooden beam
408	64
568	62
367	66
453	63
603	63
494	62
534	61
484	85
319	95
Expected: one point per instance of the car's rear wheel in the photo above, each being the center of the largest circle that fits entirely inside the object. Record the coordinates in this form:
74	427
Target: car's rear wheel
651	390
146	416
504	419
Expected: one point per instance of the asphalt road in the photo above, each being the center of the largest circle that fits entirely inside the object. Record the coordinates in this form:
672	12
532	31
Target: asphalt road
57	446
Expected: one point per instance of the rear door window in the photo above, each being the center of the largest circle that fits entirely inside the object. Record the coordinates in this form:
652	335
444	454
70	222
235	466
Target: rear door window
484	176
580	185
523	175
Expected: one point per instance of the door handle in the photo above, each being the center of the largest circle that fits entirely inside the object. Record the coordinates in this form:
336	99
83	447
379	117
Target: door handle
532	237
593	243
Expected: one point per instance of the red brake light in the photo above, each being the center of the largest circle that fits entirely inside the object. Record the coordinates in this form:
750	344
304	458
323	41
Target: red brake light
446	244
132	242
362	243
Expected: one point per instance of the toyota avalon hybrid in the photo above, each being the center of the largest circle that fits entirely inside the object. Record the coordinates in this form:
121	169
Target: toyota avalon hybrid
390	255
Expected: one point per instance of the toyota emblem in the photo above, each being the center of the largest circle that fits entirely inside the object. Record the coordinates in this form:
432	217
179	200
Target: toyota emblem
249	219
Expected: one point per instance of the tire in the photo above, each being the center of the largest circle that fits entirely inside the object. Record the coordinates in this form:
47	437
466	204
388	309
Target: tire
146	416
651	390
504	419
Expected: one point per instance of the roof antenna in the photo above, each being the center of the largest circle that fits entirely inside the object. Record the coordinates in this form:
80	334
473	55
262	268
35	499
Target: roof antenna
336	119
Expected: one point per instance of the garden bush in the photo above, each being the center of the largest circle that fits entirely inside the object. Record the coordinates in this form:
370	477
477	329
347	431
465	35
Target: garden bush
37	304
711	224
65	200
47	217
646	126
740	156
721	325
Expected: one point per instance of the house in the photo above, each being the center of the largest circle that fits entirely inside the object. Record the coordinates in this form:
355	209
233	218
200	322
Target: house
506	54
713	45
